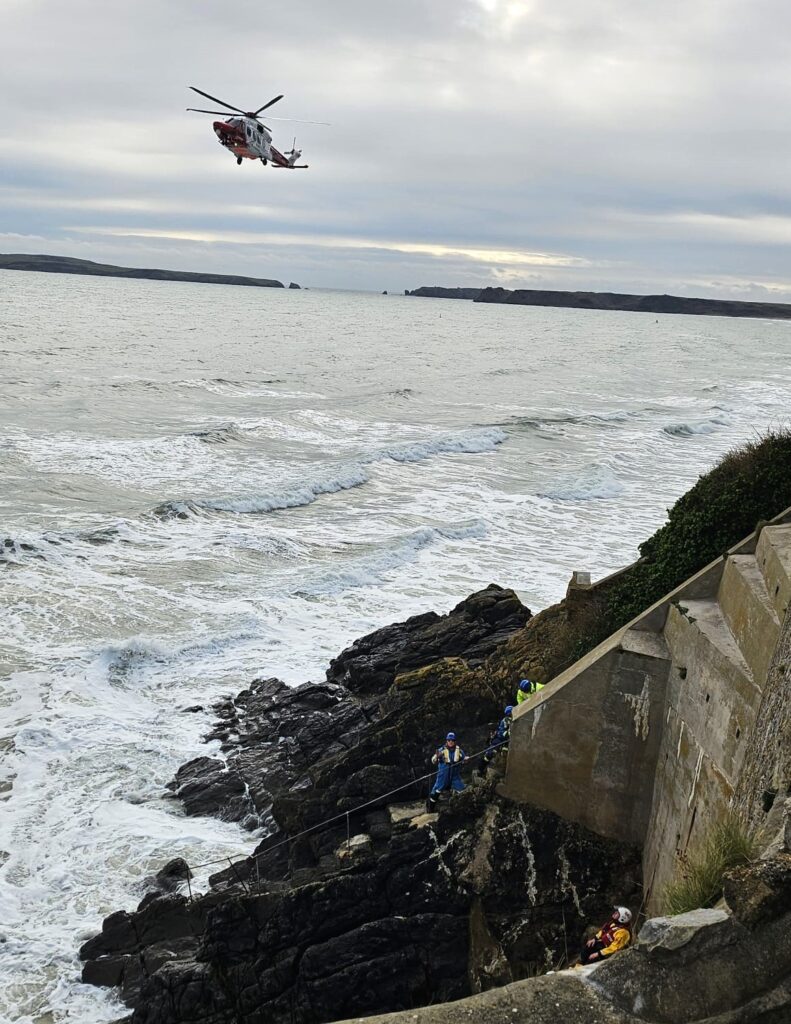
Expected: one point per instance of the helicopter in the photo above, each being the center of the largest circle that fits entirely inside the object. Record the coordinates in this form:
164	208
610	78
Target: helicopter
247	138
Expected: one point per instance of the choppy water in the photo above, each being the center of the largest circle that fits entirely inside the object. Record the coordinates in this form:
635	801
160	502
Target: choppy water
199	484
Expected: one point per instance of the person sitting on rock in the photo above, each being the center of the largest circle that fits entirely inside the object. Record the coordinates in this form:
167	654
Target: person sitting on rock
614	935
526	690
498	740
449	759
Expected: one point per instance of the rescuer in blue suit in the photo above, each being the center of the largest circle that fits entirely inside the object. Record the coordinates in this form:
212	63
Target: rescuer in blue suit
449	759
499	739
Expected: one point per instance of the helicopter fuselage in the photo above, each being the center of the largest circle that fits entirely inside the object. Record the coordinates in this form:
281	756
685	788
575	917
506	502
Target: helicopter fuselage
248	139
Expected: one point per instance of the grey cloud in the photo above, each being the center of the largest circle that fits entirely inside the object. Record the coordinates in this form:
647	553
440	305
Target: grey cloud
645	140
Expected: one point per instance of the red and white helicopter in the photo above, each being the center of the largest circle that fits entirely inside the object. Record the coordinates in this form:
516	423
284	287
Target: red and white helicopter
247	138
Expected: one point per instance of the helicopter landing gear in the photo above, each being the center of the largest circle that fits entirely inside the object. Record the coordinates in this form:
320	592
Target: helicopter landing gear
263	161
239	161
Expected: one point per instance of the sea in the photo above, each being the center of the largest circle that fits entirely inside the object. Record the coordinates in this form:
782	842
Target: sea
201	484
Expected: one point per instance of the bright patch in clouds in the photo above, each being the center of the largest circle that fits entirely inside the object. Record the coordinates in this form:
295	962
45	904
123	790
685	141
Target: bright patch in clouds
633	147
481	255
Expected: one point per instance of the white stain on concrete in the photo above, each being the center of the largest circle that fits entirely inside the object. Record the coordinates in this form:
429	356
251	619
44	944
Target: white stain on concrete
695	779
641	706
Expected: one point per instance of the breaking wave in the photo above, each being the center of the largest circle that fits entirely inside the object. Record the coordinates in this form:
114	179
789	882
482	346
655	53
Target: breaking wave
707	426
595	481
560	419
344	478
137	655
469	442
369	569
220	435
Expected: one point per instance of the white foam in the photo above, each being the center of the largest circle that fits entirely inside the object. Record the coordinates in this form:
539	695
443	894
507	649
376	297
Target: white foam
592	482
372	567
690	429
344	480
470	442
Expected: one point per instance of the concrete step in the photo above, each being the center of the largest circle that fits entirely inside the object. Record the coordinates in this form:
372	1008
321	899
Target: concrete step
749	613
773	555
710	622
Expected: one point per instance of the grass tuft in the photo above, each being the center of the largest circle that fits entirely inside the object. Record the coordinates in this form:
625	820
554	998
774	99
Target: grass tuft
699	882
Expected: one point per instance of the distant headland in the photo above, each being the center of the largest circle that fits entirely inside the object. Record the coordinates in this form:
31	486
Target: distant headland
69	265
613	301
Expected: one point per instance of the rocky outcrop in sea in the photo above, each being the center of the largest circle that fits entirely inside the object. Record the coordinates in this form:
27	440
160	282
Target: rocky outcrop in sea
391	907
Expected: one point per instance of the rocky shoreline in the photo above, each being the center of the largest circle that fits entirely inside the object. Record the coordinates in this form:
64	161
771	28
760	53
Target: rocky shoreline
393	909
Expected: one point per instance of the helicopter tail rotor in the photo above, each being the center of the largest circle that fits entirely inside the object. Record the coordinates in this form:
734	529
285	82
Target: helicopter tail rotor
293	154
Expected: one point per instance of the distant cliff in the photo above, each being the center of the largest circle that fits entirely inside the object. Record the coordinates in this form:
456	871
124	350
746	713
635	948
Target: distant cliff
69	265
636	303
445	293
612	301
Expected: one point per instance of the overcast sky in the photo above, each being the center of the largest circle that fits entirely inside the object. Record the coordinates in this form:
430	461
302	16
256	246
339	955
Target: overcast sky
640	145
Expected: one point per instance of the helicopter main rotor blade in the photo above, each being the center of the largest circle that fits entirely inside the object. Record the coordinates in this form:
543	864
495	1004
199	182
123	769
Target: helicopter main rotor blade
215	100
298	120
269	104
220	113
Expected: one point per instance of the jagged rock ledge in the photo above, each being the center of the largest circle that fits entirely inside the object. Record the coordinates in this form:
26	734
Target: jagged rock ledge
412	908
70	265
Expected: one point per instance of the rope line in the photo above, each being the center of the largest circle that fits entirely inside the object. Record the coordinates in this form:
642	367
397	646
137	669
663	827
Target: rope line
334	818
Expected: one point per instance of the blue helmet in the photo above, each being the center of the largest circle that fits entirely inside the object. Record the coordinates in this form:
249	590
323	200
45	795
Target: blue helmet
526	686
508	710
451	736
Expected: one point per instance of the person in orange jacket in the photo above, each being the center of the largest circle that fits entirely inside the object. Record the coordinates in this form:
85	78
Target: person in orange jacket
614	935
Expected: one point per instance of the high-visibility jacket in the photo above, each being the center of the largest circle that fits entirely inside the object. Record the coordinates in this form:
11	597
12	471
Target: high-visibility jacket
445	755
521	696
612	937
448	768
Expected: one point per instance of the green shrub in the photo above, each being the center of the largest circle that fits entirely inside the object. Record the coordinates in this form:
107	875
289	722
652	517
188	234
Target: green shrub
699	883
751	483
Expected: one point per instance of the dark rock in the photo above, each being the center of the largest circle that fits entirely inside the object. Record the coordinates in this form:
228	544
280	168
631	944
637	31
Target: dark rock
170	877
294	755
759	892
294	285
332	923
209	786
387	931
471	631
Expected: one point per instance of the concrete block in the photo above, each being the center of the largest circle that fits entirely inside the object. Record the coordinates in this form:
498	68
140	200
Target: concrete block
749	613
774	560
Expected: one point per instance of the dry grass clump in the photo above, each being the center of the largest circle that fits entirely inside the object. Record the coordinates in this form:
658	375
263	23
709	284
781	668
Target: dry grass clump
699	883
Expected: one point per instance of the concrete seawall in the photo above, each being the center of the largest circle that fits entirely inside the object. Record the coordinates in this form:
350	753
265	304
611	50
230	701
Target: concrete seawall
645	737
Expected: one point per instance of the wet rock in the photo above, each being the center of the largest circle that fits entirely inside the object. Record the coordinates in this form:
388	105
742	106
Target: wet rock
167	879
326	924
388	928
293	755
472	630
